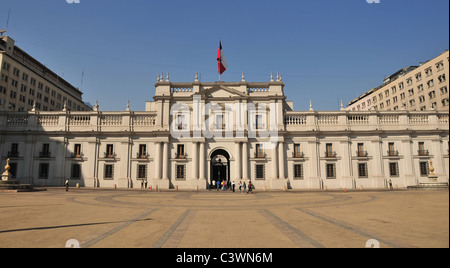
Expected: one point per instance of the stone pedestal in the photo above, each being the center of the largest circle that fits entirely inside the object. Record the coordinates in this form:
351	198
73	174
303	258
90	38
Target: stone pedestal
8	185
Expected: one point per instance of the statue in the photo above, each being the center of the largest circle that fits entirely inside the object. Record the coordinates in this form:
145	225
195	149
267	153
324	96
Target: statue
6	175
432	177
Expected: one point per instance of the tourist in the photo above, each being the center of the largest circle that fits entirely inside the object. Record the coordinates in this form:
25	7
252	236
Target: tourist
244	188
250	185
213	184
240	186
234	186
67	185
218	185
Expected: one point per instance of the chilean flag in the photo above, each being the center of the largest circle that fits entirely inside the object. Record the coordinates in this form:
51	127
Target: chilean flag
221	61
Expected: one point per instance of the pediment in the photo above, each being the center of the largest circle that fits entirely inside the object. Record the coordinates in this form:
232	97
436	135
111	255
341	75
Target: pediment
221	91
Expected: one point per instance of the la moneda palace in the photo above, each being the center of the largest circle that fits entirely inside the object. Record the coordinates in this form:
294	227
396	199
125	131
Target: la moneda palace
196	132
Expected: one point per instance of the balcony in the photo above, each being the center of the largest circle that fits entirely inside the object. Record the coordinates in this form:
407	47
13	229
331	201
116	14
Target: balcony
298	154
110	155
181	155
142	155
13	154
423	152
77	155
260	155
44	154
362	154
392	153
330	154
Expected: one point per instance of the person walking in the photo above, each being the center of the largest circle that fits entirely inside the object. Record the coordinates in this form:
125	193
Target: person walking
67	185
245	188
240	186
218	185
234	186
213	184
250	185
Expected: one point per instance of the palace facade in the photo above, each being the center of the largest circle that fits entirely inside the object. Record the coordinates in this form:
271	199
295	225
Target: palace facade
194	133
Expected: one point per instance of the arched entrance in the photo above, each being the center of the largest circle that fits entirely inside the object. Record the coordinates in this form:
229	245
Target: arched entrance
220	167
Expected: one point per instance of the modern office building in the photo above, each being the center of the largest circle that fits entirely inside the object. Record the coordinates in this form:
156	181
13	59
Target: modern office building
27	84
413	88
196	133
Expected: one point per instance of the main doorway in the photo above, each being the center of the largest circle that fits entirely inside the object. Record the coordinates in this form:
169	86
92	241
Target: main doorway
220	167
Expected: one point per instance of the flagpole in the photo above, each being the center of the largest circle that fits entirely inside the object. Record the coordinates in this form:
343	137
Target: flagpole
220	43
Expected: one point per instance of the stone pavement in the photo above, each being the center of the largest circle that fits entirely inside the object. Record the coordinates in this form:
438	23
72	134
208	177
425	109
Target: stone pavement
143	219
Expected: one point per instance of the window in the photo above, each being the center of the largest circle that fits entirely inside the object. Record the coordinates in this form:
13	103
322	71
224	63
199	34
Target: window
259	151
430	83
142	171
142	151
180	151
362	170
424	169
418	77
429	72
109	151
297	151
259	172
393	169
444	90
76	172
108	172
331	171
329	150
180	122
181	172
45	150
259	122
422	151
361	152
440	65
14	150
77	151
43	170
392	151
432	95
298	172
219	122
442	78
420	88
13	170
409	81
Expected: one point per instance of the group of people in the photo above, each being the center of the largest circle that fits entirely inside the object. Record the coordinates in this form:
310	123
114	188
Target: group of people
230	185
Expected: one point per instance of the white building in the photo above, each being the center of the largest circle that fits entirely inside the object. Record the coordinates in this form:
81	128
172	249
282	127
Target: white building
194	133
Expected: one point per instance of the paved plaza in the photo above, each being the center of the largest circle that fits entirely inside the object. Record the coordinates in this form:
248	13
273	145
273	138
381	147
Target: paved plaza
144	219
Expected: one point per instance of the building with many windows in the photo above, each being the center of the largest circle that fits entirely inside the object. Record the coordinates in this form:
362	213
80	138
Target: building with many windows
26	84
197	133
413	88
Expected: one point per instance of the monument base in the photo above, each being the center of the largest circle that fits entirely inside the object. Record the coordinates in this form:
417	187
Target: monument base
16	187
433	184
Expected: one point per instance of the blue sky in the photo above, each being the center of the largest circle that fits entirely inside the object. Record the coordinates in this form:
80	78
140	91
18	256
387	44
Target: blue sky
326	50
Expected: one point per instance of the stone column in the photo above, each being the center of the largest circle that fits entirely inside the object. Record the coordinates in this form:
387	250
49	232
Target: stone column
166	164
158	171
245	160
195	161
238	168
275	161
202	161
281	160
